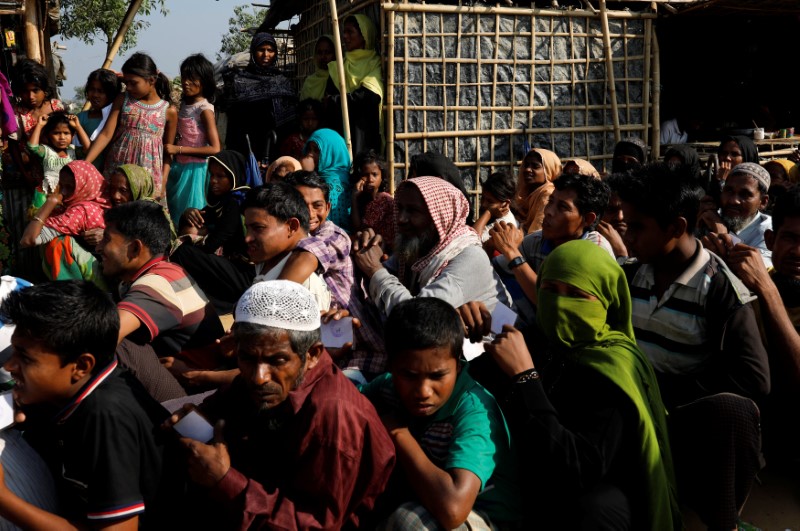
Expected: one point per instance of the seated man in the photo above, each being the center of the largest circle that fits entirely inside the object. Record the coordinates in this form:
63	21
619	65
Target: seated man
276	219
162	312
573	211
300	447
450	437
693	319
90	420
497	194
743	198
778	310
436	254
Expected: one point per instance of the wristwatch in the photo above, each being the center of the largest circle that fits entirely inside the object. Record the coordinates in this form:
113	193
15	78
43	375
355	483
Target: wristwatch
516	262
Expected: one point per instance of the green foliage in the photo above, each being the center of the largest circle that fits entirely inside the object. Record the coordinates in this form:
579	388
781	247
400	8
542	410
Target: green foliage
88	20
235	41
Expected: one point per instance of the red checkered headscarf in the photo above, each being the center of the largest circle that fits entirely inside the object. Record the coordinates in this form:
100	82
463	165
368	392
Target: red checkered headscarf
448	208
84	208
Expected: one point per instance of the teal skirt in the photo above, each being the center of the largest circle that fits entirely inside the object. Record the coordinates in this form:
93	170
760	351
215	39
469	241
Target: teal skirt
186	188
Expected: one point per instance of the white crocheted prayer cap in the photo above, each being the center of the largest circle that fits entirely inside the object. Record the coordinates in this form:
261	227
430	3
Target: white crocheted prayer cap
279	304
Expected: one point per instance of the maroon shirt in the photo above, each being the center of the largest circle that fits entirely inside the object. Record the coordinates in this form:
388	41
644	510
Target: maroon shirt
317	461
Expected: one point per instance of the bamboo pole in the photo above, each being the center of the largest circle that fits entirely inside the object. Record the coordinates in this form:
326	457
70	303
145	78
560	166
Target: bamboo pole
516	131
656	99
612	89
390	101
337	44
133	8
648	37
32	44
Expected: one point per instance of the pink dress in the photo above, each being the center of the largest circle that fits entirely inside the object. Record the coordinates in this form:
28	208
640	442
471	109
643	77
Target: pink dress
139	138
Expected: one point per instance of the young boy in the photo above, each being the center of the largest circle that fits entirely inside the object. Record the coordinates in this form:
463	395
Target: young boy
451	440
91	422
497	192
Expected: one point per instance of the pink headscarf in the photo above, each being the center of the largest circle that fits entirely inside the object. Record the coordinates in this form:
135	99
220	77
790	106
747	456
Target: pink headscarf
84	208
448	208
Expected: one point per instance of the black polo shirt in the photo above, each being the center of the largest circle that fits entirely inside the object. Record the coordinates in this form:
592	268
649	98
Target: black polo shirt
105	449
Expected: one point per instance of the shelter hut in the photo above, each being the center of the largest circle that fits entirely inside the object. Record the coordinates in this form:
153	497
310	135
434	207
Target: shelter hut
481	83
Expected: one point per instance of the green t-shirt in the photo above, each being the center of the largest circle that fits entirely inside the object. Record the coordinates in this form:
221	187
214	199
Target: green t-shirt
468	432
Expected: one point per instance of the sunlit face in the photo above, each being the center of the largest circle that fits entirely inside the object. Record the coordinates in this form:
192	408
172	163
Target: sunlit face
532	170
265	54
32	96
318	208
644	237
785	246
424	379
119	191
562	219
741	198
324	53
730	152
66	183
413	217
219	180
96	95
267	237
116	258
60	137
270	368
137	86
372	176
38	372
495	206
352	37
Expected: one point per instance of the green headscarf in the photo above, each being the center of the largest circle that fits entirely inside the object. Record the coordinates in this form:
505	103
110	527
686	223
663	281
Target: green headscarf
598	335
362	67
139	180
314	85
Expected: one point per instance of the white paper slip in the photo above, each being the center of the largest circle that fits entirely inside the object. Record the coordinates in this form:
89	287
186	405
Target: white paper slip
472	350
194	426
502	315
6	410
337	333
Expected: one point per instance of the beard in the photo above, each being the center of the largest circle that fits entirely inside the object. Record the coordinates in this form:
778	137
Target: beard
735	223
409	249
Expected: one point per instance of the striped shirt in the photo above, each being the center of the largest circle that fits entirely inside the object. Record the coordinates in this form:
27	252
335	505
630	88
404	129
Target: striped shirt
702	327
331	246
174	312
535	249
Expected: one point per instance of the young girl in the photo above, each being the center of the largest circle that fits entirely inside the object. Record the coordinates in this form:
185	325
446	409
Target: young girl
141	121
373	207
58	129
309	113
198	137
102	88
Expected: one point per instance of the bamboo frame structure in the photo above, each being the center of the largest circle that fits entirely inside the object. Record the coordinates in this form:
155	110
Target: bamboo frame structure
476	82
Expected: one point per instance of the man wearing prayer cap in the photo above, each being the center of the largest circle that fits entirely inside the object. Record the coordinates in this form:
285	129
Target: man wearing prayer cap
295	444
743	198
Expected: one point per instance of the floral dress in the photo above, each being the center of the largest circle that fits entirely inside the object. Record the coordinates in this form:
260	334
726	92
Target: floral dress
139	138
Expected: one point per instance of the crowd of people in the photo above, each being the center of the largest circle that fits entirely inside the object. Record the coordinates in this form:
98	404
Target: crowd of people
202	350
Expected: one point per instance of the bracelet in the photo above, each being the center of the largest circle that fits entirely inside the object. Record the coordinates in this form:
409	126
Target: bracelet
37	218
516	262
526	376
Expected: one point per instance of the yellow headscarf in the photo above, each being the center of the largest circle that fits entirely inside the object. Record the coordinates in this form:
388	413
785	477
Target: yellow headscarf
529	203
791	173
314	85
362	67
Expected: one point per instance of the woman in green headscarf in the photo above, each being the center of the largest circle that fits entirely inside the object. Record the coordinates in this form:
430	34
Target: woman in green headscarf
363	84
593	426
314	85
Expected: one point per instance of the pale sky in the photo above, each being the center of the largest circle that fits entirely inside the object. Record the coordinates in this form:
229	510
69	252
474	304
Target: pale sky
192	26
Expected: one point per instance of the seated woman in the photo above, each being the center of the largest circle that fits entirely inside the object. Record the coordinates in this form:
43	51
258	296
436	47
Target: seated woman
686	157
732	150
592	426
534	187
326	153
74	208
630	153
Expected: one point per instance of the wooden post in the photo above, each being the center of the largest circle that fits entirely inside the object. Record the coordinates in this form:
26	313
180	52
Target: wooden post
33	47
612	88
337	44
656	98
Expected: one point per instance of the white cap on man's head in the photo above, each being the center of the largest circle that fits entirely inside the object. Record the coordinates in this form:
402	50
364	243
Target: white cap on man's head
279	304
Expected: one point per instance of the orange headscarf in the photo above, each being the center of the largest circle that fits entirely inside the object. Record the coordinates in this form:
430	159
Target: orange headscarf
530	201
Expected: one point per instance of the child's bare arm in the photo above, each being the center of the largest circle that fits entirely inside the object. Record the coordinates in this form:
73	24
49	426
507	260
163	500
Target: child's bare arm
170	131
80	132
36	134
104	138
213	147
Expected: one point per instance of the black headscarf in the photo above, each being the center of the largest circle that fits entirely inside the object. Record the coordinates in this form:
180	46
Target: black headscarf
749	149
435	164
690	158
259	39
631	147
236	167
